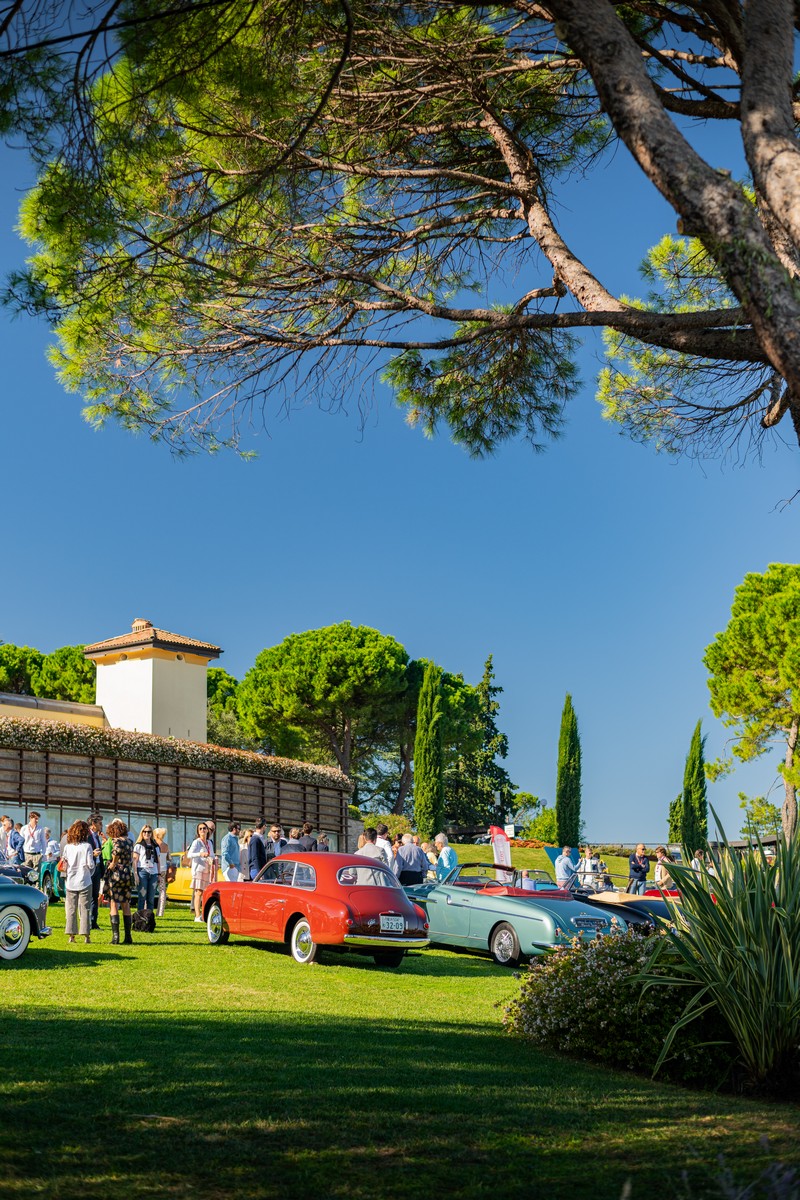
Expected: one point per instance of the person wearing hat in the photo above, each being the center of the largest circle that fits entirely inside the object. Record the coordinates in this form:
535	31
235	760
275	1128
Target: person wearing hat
231	853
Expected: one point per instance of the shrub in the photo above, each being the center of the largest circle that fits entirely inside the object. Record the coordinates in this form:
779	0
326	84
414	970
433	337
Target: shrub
739	954
543	827
581	1000
396	822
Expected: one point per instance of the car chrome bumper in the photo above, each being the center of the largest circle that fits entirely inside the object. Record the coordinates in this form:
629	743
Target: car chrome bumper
358	939
45	931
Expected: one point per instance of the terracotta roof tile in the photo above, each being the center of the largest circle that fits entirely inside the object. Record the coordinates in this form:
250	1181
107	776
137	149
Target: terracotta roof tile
159	639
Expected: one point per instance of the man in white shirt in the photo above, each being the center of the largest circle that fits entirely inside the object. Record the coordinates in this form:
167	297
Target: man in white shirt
383	843
34	842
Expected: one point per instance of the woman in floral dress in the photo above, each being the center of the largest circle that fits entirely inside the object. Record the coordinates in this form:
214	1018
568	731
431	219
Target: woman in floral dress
118	880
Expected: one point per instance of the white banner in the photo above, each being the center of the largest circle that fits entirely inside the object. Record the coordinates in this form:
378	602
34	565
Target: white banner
501	848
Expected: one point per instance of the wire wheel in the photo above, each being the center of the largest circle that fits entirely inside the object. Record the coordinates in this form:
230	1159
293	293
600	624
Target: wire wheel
504	946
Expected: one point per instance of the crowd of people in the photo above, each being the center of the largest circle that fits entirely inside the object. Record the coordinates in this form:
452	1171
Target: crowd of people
589	871
411	859
110	862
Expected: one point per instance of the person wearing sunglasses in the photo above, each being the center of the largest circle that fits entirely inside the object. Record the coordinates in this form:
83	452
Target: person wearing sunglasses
145	857
201	854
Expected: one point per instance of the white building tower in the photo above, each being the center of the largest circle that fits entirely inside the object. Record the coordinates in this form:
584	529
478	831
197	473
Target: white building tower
153	681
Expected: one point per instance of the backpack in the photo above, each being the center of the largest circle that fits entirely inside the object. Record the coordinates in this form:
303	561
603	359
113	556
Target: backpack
144	921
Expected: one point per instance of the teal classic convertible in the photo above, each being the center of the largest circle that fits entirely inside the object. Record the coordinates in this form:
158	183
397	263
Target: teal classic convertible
507	913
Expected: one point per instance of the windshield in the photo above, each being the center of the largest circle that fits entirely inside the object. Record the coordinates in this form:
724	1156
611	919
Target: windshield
369	876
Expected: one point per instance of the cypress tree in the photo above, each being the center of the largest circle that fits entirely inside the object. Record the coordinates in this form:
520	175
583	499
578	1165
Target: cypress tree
675	821
429	756
694	815
568	778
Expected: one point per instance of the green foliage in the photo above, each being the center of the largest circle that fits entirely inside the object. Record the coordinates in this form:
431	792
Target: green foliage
544	826
428	757
329	692
223	729
67	675
568	778
19	666
753	666
475	777
761	818
737	951
490	388
666	397
524	806
221	689
675	821
582	1000
395	822
694	802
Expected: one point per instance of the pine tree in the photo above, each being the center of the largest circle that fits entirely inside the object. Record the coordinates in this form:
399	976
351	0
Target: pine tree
429	756
568	779
477	779
694	816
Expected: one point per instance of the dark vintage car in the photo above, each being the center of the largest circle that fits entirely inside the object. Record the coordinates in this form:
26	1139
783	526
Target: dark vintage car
313	901
23	913
17	874
492	908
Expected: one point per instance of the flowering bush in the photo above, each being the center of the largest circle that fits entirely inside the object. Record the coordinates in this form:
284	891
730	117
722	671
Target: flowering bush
61	737
581	1000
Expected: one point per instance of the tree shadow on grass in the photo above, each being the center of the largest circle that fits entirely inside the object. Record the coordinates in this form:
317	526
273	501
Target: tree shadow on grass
231	1104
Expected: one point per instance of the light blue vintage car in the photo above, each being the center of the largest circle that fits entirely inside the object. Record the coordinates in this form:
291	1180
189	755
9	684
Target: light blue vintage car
495	909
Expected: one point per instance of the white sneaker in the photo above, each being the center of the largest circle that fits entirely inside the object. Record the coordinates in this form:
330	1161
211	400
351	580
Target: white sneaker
200	919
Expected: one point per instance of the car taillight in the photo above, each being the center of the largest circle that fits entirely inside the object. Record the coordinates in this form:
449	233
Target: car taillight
425	925
349	921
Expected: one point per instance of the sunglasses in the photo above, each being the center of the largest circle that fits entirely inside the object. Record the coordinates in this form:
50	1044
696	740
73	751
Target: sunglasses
202	827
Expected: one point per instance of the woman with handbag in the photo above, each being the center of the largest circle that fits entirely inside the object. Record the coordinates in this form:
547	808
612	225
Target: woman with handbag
201	856
78	861
119	880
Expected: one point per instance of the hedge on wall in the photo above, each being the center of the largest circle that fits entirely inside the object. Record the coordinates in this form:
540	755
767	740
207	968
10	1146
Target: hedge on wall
61	737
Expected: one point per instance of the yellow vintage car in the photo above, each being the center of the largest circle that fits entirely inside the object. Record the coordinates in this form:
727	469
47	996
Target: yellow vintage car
181	886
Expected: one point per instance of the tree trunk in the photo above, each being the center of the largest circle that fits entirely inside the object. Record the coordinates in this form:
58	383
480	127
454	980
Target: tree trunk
789	811
406	778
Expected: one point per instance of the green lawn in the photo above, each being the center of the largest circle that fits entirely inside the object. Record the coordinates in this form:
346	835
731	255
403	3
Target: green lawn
171	1068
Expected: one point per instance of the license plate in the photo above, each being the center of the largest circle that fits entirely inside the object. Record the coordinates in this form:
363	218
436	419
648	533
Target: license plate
391	924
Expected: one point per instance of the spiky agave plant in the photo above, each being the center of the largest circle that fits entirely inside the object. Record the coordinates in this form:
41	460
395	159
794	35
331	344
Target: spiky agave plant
736	945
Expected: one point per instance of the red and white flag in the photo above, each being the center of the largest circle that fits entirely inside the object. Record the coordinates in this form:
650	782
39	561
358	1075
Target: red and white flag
501	848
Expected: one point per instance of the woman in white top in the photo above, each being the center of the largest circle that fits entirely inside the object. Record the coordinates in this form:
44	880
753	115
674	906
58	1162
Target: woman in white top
79	857
201	854
146	864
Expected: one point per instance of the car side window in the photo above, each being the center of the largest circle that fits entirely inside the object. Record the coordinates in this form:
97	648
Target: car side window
279	871
305	876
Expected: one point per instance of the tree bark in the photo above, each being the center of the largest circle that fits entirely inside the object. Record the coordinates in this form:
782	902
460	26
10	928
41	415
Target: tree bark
712	207
768	126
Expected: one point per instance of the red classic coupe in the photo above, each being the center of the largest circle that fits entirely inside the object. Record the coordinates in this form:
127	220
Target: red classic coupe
314	900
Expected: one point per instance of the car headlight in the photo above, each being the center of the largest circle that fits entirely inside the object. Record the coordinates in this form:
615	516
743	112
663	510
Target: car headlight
33	876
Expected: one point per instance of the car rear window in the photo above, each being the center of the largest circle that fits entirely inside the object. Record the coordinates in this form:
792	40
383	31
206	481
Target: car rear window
368	876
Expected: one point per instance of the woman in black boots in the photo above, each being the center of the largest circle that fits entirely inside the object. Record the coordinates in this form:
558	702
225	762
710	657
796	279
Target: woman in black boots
119	880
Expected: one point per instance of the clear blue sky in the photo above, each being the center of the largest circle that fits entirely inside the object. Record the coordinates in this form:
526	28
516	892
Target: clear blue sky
598	568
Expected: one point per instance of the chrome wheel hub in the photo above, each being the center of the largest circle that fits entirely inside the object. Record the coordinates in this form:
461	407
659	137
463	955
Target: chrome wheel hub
11	931
303	942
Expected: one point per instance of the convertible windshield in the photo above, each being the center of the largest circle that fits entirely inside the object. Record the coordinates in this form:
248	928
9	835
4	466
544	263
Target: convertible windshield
369	876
